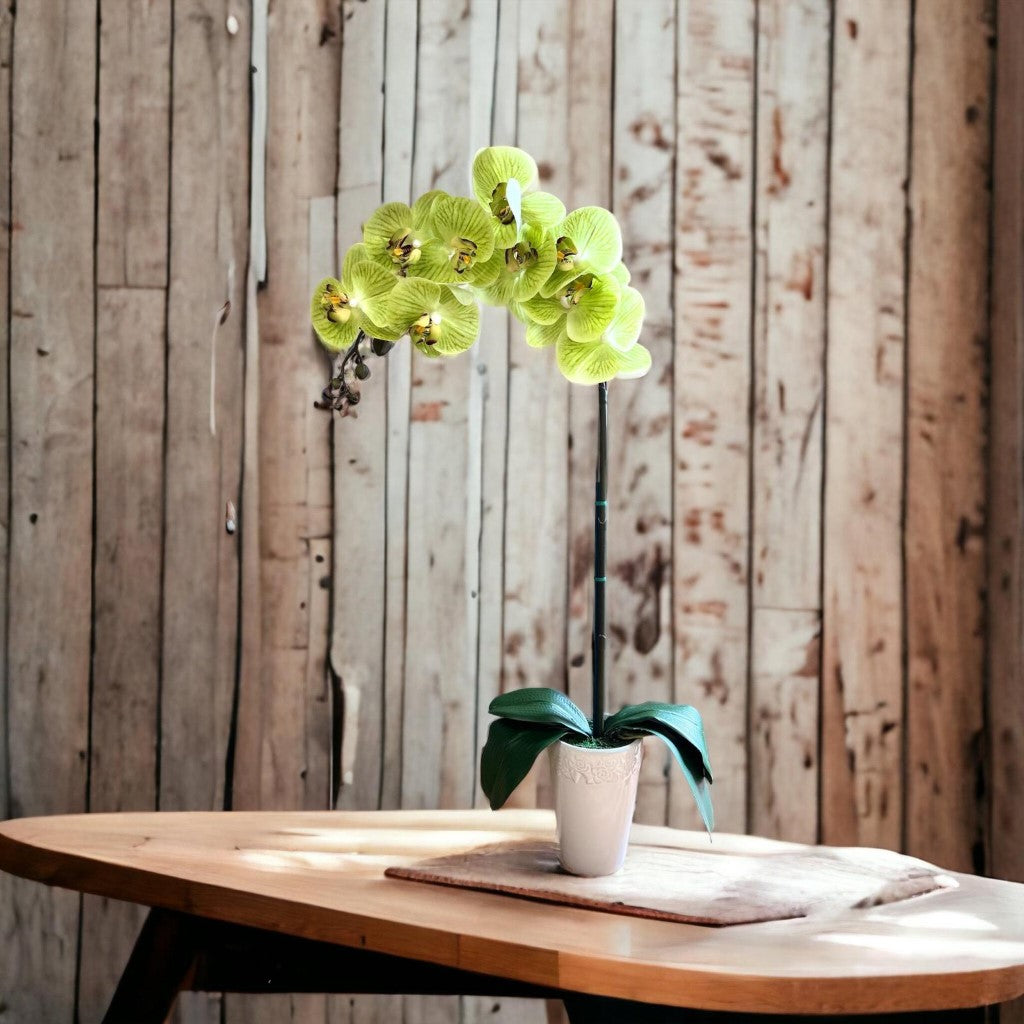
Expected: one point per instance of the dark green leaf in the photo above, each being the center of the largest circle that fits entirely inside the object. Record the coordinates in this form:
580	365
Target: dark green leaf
509	753
543	705
681	719
690	763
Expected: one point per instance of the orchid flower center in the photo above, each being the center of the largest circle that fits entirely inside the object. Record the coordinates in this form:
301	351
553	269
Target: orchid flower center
565	253
463	254
572	295
519	257
404	249
499	204
337	304
423	329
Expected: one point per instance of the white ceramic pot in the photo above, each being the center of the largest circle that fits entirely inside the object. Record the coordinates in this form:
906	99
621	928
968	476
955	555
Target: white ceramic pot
595	794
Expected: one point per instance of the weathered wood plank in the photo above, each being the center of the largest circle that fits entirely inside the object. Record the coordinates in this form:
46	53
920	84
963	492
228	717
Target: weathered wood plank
134	101
862	670
126	587
784	763
640	417
209	214
789	331
357	630
51	409
399	133
1006	454
538	396
713	259
947	339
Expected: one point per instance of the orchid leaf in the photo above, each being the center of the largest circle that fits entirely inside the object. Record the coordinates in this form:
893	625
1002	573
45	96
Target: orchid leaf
543	705
680	718
509	754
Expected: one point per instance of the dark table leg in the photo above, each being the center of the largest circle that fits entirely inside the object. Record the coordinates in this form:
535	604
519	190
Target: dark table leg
161	965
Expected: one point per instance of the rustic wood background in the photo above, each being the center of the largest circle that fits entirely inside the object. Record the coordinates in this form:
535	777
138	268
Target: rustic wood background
816	494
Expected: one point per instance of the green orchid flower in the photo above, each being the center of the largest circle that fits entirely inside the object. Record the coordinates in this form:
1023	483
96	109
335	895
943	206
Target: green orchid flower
522	268
587	241
401	238
503	178
467	238
582	311
358	302
615	353
437	322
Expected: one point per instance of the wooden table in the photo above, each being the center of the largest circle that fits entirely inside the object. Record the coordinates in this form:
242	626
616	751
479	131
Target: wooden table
281	902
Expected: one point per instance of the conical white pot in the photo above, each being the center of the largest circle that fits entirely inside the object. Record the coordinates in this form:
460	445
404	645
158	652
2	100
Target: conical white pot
595	795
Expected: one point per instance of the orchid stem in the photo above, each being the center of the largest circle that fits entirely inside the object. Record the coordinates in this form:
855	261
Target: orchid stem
600	536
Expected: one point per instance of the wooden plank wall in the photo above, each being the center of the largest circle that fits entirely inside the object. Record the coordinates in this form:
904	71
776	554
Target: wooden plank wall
817	494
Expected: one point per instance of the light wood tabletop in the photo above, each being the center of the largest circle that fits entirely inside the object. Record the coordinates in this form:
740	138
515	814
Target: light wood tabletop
320	875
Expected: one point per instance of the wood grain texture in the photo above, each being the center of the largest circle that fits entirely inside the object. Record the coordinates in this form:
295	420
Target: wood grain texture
1006	455
358	621
268	870
862	669
51	413
713	260
641	412
788	358
134	106
947	340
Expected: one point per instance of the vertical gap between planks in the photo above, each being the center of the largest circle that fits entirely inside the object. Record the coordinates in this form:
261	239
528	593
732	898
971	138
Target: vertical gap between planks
676	372
827	265
388	414
755	82
5	767
904	454
92	561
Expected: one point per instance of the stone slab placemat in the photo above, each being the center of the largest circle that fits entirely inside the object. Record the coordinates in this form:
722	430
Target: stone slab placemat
692	886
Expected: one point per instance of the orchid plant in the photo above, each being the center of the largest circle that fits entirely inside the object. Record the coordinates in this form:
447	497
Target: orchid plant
420	273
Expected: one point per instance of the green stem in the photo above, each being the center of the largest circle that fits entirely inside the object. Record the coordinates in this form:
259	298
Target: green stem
600	535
